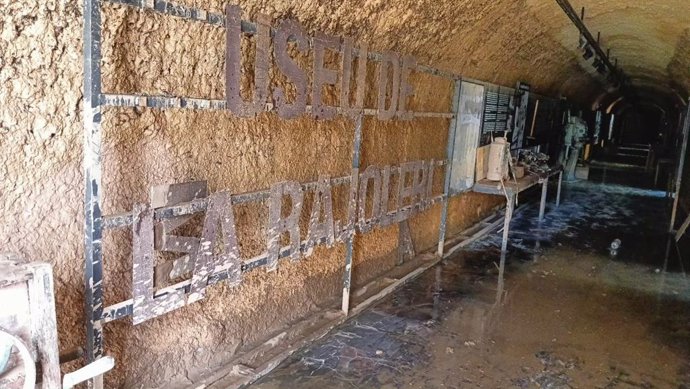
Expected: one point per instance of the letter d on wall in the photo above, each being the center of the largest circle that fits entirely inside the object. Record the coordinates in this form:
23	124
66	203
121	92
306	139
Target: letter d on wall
389	61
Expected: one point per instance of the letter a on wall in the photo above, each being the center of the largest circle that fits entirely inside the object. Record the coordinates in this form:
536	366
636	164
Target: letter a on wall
206	262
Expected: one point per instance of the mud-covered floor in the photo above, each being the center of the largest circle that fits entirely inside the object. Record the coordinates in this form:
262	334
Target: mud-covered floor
572	315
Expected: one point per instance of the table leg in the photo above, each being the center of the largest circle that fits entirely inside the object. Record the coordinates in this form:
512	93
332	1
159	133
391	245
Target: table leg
558	194
542	205
510	206
656	175
504	246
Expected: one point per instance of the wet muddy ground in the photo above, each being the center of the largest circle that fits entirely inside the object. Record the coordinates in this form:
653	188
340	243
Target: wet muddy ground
572	313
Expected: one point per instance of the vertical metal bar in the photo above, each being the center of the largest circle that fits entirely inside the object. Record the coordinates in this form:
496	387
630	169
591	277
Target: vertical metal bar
436	310
510	206
679	171
558	192
534	119
542	205
93	265
350	241
449	156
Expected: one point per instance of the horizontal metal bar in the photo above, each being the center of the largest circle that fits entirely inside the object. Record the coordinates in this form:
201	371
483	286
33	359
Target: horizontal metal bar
630	155
122	220
168	102
216	19
124	308
161	102
196	206
437	72
180	11
434	115
645	149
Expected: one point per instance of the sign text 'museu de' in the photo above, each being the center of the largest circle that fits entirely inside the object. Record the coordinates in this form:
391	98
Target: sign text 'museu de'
394	89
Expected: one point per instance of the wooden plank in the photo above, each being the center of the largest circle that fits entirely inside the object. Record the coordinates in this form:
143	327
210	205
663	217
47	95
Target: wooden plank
482	168
496	188
44	323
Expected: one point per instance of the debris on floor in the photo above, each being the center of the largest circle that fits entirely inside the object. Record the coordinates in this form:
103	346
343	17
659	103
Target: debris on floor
572	316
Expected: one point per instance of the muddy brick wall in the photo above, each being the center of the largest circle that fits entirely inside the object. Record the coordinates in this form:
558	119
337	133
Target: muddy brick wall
41	153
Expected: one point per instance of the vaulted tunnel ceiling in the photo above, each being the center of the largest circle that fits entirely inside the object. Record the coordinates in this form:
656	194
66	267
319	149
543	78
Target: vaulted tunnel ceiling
529	40
503	41
650	39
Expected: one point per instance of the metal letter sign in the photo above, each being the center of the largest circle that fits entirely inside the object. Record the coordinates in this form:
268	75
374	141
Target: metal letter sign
215	256
233	64
323	76
321	224
206	261
389	64
290	29
146	306
277	225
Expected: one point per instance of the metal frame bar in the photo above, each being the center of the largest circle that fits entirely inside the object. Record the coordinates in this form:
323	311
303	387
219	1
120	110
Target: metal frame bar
218	20
177	102
350	242
449	157
679	170
93	264
94	99
542	204
558	193
196	206
679	178
591	40
124	308
510	208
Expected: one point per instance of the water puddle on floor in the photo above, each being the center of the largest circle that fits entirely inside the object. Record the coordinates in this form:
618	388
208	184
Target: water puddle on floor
570	315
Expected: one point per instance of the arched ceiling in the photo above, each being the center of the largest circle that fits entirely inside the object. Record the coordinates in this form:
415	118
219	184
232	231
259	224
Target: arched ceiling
651	40
504	41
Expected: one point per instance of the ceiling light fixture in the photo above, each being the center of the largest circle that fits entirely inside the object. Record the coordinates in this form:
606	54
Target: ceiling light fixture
588	53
